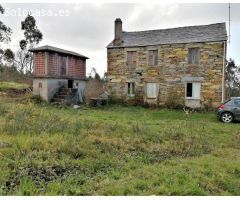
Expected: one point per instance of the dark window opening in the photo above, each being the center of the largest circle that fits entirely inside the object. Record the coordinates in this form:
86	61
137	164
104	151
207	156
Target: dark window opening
130	88
189	89
70	83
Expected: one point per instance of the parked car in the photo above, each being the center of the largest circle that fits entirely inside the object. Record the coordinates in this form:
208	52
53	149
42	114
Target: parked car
230	110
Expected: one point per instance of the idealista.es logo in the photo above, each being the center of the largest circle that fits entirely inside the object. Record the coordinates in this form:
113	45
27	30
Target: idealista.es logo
19	12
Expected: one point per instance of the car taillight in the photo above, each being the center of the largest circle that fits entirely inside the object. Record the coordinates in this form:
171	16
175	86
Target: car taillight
221	107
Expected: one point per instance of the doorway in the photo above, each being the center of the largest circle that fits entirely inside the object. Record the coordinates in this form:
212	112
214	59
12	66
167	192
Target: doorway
70	83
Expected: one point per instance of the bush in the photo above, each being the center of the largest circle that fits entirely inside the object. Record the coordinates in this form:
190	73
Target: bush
173	100
93	89
37	99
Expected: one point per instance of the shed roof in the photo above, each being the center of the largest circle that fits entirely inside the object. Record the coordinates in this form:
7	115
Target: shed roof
187	34
58	50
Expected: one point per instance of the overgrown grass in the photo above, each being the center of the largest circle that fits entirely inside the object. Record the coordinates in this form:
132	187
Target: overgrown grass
115	150
12	85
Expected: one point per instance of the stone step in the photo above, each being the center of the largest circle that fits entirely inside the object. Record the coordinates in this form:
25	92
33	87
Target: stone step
63	93
57	100
61	96
65	90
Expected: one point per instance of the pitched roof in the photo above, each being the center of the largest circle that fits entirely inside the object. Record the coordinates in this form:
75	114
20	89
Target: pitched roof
58	50
188	34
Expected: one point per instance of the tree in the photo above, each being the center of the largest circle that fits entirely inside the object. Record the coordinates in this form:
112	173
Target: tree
94	75
232	72
32	37
5	33
9	55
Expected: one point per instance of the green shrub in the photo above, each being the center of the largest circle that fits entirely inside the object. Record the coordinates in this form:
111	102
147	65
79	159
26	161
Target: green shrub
37	99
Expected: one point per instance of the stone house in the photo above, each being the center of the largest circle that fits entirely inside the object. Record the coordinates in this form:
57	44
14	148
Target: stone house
55	68
184	65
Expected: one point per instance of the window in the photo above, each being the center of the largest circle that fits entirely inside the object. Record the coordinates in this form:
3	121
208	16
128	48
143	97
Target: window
130	89
152	90
131	58
193	55
40	84
152	57
193	90
237	102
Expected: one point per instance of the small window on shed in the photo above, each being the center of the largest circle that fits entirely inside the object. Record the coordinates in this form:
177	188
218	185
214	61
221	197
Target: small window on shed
40	84
193	55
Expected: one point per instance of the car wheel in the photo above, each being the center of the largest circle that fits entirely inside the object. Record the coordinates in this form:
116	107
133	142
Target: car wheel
227	117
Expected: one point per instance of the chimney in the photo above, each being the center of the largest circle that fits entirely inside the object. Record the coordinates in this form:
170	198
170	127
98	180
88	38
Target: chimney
118	32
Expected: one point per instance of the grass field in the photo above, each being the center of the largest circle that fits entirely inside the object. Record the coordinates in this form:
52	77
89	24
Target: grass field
115	150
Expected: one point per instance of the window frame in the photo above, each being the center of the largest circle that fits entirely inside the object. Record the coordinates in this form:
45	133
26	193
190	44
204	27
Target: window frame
194	56
154	61
133	62
130	89
195	85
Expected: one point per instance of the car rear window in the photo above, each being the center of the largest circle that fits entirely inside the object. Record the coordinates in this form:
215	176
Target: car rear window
228	102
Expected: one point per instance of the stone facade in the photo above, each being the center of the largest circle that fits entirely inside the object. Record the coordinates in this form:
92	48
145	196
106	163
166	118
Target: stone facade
171	74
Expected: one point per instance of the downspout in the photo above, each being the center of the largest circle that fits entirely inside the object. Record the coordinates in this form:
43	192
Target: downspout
223	70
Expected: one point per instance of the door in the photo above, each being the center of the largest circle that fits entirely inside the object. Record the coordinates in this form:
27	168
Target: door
70	83
236	109
63	66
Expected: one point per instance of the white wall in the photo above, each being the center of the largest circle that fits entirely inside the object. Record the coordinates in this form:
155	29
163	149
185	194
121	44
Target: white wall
43	92
49	87
81	88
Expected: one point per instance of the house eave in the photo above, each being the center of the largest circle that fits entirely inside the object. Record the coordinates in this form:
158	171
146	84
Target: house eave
133	46
59	77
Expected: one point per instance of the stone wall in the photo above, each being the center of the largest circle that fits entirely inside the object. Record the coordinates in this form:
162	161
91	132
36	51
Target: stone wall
171	69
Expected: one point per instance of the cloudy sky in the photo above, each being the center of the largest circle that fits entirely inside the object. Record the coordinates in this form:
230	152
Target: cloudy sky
88	28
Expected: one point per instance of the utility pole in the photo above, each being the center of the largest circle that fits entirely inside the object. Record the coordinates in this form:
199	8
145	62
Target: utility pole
229	21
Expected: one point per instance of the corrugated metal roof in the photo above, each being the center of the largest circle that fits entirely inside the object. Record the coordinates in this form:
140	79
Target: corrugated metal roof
58	50
188	34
